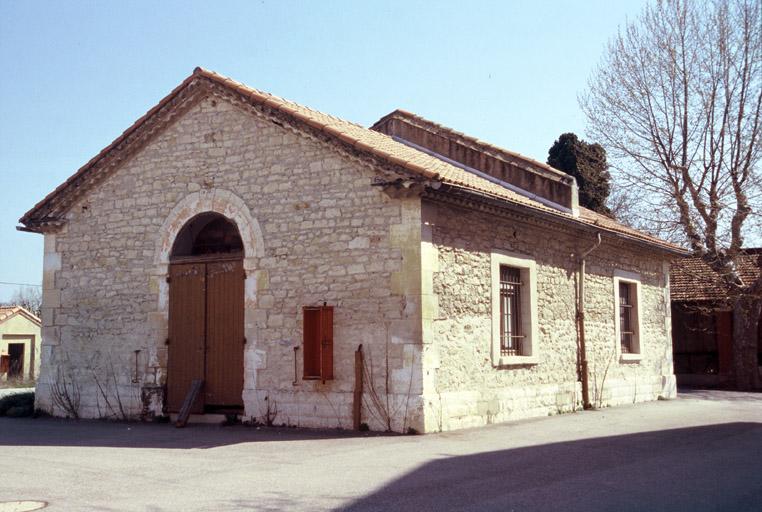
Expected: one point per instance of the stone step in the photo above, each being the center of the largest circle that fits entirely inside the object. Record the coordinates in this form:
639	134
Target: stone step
209	419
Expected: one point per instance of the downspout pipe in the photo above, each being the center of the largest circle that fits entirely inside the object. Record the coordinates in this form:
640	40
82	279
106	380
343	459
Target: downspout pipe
586	403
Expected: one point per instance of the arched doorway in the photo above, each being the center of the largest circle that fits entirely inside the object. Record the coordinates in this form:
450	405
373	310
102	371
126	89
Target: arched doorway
206	315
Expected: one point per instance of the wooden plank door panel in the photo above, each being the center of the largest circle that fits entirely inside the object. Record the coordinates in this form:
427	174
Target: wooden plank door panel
724	323
187	309
224	334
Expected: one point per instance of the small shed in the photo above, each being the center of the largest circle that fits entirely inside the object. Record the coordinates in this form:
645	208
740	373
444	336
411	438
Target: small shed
19	344
702	321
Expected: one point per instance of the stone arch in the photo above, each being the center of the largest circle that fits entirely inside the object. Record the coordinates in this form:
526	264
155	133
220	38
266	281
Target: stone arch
207	233
233	208
219	201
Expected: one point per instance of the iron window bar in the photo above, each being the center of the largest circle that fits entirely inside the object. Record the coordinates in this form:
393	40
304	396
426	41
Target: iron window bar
511	337
627	332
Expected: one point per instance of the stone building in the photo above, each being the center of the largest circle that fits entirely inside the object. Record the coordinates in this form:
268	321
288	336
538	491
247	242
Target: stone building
19	344
237	238
702	329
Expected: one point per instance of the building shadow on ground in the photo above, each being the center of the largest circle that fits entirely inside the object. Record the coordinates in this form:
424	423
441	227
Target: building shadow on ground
719	395
717	467
116	434
706	468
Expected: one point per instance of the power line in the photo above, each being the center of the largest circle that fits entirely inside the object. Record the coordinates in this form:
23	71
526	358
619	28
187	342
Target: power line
21	284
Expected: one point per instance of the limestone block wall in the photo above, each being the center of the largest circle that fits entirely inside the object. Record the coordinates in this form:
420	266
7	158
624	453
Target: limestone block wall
314	231
464	387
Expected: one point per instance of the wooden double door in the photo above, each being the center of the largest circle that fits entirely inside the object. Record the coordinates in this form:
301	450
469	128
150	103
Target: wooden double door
206	334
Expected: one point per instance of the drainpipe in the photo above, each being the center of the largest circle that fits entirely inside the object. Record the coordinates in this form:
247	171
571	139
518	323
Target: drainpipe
586	404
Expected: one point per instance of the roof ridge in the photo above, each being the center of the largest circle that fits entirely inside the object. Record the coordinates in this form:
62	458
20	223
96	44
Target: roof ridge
199	71
12	311
345	134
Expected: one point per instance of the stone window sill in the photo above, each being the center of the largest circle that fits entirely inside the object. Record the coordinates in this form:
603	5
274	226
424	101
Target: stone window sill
517	360
630	358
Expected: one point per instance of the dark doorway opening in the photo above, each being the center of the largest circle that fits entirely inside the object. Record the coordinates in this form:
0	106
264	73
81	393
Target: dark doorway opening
16	360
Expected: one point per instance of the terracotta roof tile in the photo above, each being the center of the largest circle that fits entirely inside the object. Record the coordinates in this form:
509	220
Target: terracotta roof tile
365	140
691	279
7	312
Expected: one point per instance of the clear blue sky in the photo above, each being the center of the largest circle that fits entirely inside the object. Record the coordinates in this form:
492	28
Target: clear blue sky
75	74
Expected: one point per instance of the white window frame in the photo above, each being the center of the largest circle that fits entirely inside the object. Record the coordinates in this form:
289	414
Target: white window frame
529	319
621	276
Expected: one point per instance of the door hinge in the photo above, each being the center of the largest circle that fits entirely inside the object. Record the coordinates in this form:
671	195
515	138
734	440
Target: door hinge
244	341
166	342
168	279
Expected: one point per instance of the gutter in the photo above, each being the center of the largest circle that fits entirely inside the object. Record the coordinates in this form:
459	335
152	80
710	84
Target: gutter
557	217
586	404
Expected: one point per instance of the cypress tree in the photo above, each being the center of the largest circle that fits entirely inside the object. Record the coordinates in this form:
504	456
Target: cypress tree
587	163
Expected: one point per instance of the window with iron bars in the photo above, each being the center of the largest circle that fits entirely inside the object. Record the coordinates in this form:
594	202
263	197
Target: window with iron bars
627	301
511	336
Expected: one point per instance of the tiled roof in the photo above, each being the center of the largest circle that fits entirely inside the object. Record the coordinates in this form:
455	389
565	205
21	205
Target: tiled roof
7	312
344	133
691	279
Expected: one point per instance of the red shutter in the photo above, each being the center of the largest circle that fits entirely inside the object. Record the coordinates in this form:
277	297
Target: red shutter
724	333
318	342
311	348
326	342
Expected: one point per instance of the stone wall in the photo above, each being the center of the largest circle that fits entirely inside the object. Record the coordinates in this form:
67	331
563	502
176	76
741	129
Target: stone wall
314	230
410	281
465	389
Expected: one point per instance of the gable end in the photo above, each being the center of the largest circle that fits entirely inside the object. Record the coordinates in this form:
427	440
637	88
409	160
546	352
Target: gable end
47	215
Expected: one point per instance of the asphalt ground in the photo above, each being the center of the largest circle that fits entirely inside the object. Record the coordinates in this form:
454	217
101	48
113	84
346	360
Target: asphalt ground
700	452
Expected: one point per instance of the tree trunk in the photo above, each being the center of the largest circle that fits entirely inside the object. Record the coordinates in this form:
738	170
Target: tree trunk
746	315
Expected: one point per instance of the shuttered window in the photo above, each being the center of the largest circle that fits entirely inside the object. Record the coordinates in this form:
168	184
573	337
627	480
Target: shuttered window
318	342
628	324
626	313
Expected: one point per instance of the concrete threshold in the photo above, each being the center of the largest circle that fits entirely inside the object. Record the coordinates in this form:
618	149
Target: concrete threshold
207	419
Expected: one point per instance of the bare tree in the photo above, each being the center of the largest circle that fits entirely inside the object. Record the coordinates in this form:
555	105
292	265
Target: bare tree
29	298
677	103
